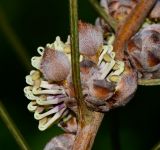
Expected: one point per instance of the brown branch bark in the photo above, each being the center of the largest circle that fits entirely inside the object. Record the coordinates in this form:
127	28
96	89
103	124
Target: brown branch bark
131	25
86	133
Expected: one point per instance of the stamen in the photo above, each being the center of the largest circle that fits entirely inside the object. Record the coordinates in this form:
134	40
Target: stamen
35	75
32	106
49	102
29	94
29	80
56	109
36	62
46	122
40	50
38	91
58	44
102	54
46	85
115	76
106	69
111	39
68	117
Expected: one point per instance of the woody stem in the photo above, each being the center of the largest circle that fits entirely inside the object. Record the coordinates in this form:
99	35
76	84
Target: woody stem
131	25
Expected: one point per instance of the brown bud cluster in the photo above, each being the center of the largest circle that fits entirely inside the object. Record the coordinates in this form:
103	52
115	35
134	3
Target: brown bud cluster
106	83
144	52
103	95
121	9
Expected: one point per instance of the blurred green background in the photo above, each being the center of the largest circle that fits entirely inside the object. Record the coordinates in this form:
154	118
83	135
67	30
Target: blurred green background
35	23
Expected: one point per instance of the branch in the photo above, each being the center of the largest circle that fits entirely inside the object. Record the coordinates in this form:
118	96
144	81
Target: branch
87	133
88	121
12	128
131	26
107	18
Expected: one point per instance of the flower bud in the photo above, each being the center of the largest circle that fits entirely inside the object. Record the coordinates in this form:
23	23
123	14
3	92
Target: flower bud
54	65
155	13
90	39
103	95
61	142
102	89
144	52
119	9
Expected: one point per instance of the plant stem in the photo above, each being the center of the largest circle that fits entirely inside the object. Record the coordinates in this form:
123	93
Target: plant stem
107	18
88	121
131	25
75	54
148	82
87	133
14	40
12	128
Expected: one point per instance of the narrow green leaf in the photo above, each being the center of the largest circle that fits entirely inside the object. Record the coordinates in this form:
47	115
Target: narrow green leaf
12	128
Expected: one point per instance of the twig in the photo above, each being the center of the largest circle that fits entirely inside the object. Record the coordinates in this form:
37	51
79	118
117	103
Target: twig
14	40
88	121
148	82
87	133
131	25
107	18
12	128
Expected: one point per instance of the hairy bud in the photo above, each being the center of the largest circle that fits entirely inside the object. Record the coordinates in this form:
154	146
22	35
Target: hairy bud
144	52
55	65
155	13
90	39
61	142
119	9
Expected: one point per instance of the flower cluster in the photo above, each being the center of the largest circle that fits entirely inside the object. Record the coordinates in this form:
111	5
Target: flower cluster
46	88
119	10
106	82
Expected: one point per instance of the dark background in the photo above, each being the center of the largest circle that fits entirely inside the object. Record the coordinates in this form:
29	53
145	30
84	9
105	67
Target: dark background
35	23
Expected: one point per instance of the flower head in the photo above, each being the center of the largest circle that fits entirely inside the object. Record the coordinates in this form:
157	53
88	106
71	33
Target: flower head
105	81
46	88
